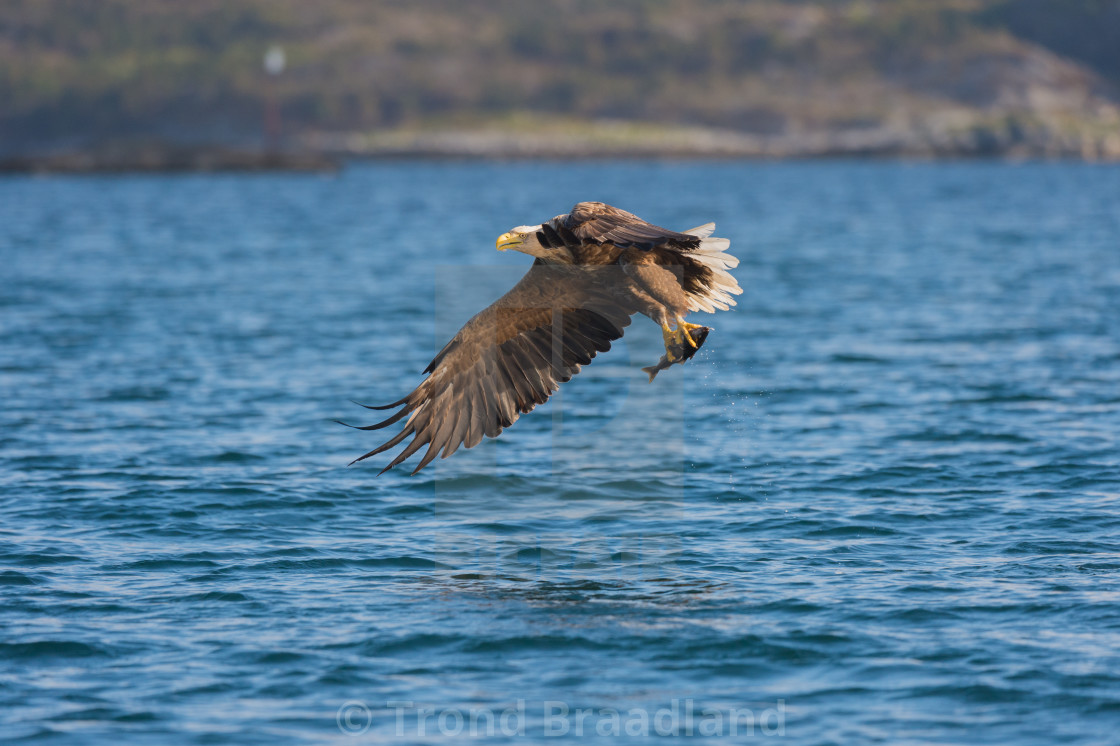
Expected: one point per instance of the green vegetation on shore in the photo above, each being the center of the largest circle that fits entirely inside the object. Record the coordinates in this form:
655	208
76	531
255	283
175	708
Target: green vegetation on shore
769	78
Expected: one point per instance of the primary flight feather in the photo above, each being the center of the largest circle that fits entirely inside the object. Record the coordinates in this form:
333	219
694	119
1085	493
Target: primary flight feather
593	269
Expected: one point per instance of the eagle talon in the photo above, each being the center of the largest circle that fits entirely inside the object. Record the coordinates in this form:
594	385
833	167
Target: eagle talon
683	328
672	338
677	340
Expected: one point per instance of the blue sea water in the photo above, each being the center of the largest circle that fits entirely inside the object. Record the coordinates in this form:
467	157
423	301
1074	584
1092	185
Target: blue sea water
880	506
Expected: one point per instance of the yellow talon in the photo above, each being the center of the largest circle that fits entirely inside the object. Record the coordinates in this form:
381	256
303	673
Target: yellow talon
683	328
670	338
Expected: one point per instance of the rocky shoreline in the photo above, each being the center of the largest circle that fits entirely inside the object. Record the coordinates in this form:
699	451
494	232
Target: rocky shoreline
1003	140
321	152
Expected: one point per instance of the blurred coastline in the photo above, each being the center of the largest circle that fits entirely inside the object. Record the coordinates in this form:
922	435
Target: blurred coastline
256	85
935	138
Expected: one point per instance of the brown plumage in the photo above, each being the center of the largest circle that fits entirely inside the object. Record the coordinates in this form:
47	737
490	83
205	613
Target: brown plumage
594	268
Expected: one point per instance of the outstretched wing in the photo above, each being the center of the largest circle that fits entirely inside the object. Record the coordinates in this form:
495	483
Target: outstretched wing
602	223
504	362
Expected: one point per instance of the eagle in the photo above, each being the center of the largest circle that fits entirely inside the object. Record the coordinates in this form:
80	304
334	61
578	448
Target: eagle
593	269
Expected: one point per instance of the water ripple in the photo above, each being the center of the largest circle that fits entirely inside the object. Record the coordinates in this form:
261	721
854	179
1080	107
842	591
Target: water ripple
884	495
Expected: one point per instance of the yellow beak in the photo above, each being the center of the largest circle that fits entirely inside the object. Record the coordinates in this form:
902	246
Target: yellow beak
508	240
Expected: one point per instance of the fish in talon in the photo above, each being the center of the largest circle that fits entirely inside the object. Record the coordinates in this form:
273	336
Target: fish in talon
679	351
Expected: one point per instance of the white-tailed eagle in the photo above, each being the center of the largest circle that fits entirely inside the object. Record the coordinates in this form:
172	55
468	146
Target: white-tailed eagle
593	269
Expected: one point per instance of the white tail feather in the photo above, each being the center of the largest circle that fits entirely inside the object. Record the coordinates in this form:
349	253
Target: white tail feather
710	245
712	254
701	231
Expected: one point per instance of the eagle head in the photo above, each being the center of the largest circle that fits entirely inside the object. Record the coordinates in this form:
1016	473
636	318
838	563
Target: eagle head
527	240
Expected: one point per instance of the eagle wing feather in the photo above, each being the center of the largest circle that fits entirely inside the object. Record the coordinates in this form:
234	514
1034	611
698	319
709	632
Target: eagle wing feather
506	360
603	223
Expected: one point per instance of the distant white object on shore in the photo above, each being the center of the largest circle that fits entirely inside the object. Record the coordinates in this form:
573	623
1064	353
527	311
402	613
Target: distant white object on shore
274	60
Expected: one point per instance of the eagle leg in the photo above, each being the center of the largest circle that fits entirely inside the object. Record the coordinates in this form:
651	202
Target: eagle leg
674	338
669	336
